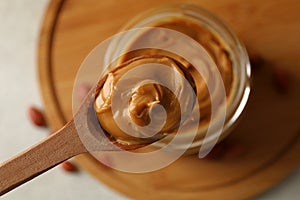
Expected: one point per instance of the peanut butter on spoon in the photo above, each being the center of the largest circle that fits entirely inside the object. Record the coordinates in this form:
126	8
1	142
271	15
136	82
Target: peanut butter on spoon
146	98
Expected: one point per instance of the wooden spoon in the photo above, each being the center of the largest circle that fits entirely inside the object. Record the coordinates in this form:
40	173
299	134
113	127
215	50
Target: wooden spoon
60	146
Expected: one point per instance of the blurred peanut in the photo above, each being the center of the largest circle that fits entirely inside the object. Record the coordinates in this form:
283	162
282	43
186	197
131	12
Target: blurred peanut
69	167
36	117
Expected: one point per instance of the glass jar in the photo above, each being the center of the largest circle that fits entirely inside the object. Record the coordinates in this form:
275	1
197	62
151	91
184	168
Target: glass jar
197	23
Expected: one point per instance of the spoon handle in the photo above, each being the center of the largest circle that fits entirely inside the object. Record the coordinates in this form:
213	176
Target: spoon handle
55	149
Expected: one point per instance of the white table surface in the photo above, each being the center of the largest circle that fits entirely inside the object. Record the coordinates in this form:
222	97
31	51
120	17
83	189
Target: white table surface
20	22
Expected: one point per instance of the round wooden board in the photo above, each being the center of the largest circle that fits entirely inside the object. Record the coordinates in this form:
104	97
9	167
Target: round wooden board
72	28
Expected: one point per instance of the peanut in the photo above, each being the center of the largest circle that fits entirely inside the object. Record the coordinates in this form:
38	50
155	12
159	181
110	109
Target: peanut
36	117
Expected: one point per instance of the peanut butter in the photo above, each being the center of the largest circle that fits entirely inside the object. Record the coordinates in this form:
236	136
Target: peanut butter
147	97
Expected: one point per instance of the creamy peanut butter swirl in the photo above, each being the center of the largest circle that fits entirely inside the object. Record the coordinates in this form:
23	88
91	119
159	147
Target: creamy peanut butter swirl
146	98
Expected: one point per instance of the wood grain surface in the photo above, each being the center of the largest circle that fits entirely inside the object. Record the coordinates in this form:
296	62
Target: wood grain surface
72	28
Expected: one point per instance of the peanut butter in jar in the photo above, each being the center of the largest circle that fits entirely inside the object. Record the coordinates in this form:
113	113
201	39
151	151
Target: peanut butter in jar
223	78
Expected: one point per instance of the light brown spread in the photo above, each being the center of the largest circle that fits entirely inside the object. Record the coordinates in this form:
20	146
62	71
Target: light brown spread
146	97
